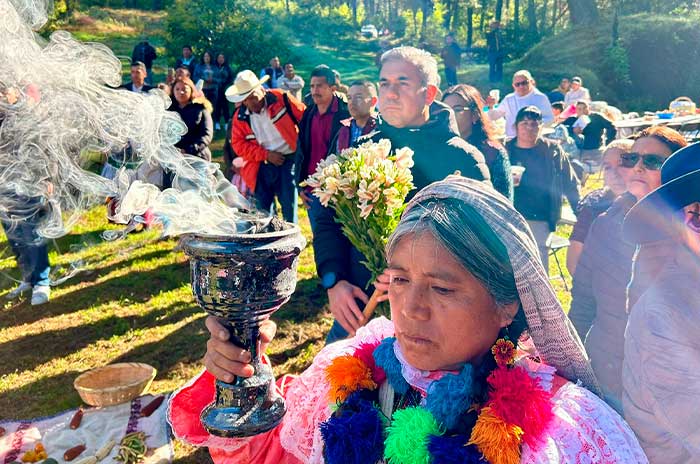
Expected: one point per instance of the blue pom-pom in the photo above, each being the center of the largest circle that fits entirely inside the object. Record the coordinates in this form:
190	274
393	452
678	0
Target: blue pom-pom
451	450
450	396
354	434
386	359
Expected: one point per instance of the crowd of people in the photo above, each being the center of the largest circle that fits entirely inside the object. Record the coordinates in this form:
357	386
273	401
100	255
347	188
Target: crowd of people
550	143
467	265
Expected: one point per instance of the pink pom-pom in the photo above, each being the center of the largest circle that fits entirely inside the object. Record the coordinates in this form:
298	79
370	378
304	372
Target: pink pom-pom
364	353
518	399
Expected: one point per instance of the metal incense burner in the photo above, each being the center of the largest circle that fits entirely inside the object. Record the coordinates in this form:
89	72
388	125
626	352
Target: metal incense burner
243	279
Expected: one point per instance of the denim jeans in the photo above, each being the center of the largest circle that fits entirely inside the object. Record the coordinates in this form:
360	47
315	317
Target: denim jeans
495	67
277	181
336	333
451	76
30	250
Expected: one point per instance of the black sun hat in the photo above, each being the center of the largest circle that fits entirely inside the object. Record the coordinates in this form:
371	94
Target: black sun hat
651	219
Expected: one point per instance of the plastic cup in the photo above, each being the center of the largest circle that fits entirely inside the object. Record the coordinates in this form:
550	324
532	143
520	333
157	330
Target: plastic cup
495	94
517	173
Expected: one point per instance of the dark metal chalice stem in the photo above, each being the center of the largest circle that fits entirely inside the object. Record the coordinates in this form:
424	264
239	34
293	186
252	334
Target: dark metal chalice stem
242	279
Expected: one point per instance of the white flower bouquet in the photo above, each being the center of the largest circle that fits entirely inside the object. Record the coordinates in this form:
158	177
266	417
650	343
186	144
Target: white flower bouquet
367	187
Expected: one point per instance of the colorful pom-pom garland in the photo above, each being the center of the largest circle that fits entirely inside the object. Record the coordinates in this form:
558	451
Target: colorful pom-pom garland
517	411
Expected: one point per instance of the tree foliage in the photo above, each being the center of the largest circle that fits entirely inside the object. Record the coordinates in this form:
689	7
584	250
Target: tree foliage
236	28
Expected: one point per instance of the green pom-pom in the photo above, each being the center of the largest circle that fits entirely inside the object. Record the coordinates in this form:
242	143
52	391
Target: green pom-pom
408	434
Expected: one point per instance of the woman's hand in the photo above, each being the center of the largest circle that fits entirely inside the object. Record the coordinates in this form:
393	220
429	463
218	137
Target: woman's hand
382	285
223	359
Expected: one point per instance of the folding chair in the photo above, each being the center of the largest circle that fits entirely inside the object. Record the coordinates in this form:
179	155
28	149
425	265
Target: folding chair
554	244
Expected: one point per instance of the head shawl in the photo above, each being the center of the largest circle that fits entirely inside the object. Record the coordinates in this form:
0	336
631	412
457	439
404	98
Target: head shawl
550	329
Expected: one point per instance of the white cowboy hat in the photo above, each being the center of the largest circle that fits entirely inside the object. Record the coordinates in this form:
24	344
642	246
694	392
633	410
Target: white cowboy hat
246	82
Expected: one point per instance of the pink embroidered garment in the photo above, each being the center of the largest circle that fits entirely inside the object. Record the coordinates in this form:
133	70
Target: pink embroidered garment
585	429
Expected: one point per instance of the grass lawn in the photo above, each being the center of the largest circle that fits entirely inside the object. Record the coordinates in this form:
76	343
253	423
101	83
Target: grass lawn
131	300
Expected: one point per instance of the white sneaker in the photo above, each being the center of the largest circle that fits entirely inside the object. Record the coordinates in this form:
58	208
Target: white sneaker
41	295
21	288
218	126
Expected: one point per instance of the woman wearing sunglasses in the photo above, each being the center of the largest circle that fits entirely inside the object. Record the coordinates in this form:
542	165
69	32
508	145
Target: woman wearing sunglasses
661	369
598	305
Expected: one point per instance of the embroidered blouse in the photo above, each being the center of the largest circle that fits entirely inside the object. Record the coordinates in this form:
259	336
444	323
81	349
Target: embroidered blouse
584	429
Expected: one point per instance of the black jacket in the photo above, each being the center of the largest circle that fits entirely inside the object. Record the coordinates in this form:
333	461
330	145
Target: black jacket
200	129
303	154
437	153
145	88
191	66
559	180
600	131
145	53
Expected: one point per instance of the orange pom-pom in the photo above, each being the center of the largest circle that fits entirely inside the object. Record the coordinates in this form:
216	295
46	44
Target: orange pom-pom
498	441
347	374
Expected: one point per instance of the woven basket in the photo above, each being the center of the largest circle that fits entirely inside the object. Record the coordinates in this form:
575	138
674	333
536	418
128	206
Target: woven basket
114	384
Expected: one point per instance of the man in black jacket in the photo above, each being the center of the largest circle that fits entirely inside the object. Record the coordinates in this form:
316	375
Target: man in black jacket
138	79
146	54
411	117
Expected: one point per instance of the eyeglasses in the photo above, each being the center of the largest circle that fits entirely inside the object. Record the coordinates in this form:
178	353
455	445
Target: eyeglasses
650	162
460	109
521	83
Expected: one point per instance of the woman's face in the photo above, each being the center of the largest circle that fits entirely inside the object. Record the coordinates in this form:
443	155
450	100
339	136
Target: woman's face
443	315
643	180
465	117
615	177
206	58
528	130
183	93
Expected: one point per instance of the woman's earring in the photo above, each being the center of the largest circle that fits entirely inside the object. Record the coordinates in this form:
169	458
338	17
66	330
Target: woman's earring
503	351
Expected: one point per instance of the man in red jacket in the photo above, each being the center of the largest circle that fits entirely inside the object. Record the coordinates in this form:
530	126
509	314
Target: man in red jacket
264	133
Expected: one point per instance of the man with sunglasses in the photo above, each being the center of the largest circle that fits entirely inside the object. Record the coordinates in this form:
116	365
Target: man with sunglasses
525	94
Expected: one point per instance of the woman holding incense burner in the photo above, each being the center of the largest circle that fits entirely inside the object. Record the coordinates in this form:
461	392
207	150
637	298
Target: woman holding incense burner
479	362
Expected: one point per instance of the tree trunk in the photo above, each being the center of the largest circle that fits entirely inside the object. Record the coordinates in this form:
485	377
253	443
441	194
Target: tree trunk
531	19
582	12
470	26
555	15
499	10
425	7
516	20
482	16
354	11
543	17
449	5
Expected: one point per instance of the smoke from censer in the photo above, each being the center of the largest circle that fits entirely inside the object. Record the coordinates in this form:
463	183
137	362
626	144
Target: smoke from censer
57	101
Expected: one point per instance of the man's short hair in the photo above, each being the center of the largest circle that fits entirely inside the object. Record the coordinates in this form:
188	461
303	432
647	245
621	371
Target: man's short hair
323	70
189	47
583	103
523	73
369	85
422	60
140	65
558	106
577	79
